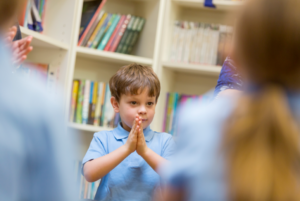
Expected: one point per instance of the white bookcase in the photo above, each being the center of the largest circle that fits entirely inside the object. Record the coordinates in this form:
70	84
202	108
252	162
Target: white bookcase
58	47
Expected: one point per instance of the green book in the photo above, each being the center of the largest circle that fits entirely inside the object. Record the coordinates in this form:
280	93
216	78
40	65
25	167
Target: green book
102	31
109	32
80	102
130	35
125	35
136	34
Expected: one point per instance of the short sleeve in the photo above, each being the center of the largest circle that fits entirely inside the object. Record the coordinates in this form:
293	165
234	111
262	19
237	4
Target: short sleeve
168	148
97	147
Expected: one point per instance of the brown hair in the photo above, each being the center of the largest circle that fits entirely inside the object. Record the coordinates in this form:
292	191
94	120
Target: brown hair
9	9
261	139
133	79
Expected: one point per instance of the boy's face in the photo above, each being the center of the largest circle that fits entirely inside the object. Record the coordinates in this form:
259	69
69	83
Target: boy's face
131	105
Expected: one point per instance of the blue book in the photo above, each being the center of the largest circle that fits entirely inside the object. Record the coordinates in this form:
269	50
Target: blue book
102	31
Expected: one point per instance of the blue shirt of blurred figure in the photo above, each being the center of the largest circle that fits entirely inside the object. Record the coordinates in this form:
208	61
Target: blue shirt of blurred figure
34	153
198	166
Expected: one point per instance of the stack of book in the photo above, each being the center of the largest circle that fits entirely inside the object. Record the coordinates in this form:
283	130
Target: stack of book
86	189
90	104
46	74
200	43
174	102
106	31
33	15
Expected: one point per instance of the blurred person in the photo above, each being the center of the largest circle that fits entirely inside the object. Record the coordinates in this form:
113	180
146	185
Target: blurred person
246	147
34	151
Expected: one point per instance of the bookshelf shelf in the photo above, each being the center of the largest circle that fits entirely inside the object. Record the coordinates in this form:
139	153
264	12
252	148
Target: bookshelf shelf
111	56
89	128
220	4
40	40
193	68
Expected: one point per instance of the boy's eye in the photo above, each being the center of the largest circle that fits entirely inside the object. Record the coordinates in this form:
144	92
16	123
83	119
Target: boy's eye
150	103
133	102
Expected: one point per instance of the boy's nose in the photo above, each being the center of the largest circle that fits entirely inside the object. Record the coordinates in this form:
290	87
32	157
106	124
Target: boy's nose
142	110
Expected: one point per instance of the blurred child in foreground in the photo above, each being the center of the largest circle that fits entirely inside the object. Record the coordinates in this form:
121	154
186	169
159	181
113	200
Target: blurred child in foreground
247	147
34	152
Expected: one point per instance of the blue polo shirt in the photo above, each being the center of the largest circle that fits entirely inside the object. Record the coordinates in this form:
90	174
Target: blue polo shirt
133	178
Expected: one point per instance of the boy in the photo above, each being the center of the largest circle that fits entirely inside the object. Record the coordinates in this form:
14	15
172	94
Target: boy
126	159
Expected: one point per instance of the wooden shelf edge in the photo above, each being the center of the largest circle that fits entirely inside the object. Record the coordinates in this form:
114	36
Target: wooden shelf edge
193	68
89	128
44	39
220	4
112	56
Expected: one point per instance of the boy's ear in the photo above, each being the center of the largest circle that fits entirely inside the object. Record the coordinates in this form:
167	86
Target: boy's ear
114	104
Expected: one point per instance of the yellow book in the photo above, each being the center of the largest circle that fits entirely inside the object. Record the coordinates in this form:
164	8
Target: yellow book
94	101
90	41
74	100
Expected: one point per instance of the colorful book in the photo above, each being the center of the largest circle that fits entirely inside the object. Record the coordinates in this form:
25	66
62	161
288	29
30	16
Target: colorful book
80	102
91	30
102	31
85	32
97	29
125	35
86	98
120	33
100	100
109	32
94	101
90	103
108	111
74	100
115	32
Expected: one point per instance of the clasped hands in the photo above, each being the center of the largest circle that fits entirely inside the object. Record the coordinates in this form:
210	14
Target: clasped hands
136	139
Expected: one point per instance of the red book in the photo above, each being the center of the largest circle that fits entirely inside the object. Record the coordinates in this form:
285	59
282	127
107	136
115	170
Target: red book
22	16
91	22
113	36
119	35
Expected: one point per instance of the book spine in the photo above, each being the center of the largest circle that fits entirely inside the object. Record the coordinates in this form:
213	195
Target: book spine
95	92
136	35
90	103
102	104
102	31
176	97
171	97
115	32
103	119
74	100
109	32
79	102
98	105
125	35
116	42
97	29
91	30
86	98
91	22
130	36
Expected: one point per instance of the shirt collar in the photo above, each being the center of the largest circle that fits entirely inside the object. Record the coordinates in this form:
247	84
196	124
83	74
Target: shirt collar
121	133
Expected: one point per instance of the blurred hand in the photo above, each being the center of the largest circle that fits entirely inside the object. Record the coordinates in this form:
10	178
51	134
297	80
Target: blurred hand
20	48
141	147
131	142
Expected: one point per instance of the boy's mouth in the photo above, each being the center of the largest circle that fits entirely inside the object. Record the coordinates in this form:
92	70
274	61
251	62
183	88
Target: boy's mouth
144	120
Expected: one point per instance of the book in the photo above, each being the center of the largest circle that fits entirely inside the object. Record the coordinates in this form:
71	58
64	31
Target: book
90	103
97	29
116	42
94	101
74	100
80	101
115	32
85	31
130	35
125	35
108	111
92	28
112	26
99	104
135	35
102	31
86	98
165	115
